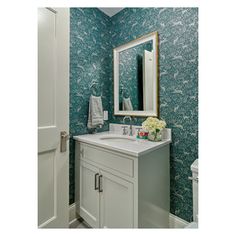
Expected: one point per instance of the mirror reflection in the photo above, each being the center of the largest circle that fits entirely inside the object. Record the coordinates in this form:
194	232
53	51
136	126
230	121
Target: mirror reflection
135	77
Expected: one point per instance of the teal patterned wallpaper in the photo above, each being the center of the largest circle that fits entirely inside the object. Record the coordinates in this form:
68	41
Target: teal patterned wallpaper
178	70
131	74
94	35
89	62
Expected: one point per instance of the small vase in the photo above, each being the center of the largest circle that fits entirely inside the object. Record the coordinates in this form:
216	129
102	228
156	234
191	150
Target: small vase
155	136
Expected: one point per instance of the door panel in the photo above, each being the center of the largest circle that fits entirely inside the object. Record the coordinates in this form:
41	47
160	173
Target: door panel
89	196
46	191
47	67
148	80
53	116
116	201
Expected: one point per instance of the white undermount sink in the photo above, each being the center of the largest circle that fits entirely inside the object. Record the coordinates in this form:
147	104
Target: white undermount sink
118	138
128	145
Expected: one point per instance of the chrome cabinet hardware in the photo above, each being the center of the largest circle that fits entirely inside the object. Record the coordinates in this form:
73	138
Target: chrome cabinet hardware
95	181
130	124
100	183
63	141
125	131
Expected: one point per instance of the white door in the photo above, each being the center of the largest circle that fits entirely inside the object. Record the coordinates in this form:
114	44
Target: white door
116	202
53	117
148	67
89	194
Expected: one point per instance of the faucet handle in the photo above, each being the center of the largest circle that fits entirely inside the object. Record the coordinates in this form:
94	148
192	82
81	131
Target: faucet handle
125	131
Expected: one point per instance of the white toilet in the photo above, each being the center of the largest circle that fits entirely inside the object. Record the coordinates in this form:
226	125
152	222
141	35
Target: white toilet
194	178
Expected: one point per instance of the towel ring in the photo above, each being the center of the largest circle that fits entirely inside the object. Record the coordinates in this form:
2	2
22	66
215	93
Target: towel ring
95	88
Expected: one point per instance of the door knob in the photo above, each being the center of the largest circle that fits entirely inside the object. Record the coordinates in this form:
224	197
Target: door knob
64	138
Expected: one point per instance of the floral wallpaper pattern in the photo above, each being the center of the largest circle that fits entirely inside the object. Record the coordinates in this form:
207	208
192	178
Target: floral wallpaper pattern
94	35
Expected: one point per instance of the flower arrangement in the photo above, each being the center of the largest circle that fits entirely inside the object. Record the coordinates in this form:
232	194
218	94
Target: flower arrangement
154	126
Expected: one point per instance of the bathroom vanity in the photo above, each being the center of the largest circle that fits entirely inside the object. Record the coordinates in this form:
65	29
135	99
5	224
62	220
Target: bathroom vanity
122	182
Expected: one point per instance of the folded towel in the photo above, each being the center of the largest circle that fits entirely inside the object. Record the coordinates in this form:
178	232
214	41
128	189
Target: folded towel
127	105
95	116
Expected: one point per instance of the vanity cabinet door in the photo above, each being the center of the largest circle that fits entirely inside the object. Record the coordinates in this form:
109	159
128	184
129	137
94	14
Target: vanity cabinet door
116	202
89	195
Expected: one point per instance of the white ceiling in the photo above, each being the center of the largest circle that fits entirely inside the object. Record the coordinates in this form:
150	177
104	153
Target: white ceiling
110	11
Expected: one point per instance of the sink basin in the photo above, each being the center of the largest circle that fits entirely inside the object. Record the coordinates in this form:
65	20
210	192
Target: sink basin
128	145
118	138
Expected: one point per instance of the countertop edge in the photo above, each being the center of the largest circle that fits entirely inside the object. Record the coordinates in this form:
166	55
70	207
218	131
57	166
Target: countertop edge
134	154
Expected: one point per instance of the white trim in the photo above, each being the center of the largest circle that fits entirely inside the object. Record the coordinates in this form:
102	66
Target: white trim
110	11
74	223
73	218
176	222
152	36
72	212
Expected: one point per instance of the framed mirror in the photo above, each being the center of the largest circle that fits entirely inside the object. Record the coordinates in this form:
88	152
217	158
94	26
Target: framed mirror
136	77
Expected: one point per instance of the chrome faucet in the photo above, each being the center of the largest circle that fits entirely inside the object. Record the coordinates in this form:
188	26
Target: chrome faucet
130	124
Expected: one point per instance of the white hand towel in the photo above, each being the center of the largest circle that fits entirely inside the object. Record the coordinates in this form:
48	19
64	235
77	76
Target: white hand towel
95	116
127	105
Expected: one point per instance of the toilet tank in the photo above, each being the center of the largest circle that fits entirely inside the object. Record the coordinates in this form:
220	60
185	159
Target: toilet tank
194	169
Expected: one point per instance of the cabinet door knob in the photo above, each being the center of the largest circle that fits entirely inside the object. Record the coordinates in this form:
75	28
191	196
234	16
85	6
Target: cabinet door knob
100	183
95	181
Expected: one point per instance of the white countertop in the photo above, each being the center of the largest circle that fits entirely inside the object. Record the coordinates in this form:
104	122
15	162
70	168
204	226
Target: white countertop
135	148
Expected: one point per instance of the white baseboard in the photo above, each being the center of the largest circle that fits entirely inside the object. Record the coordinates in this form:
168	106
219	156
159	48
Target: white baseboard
176	222
73	222
72	212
